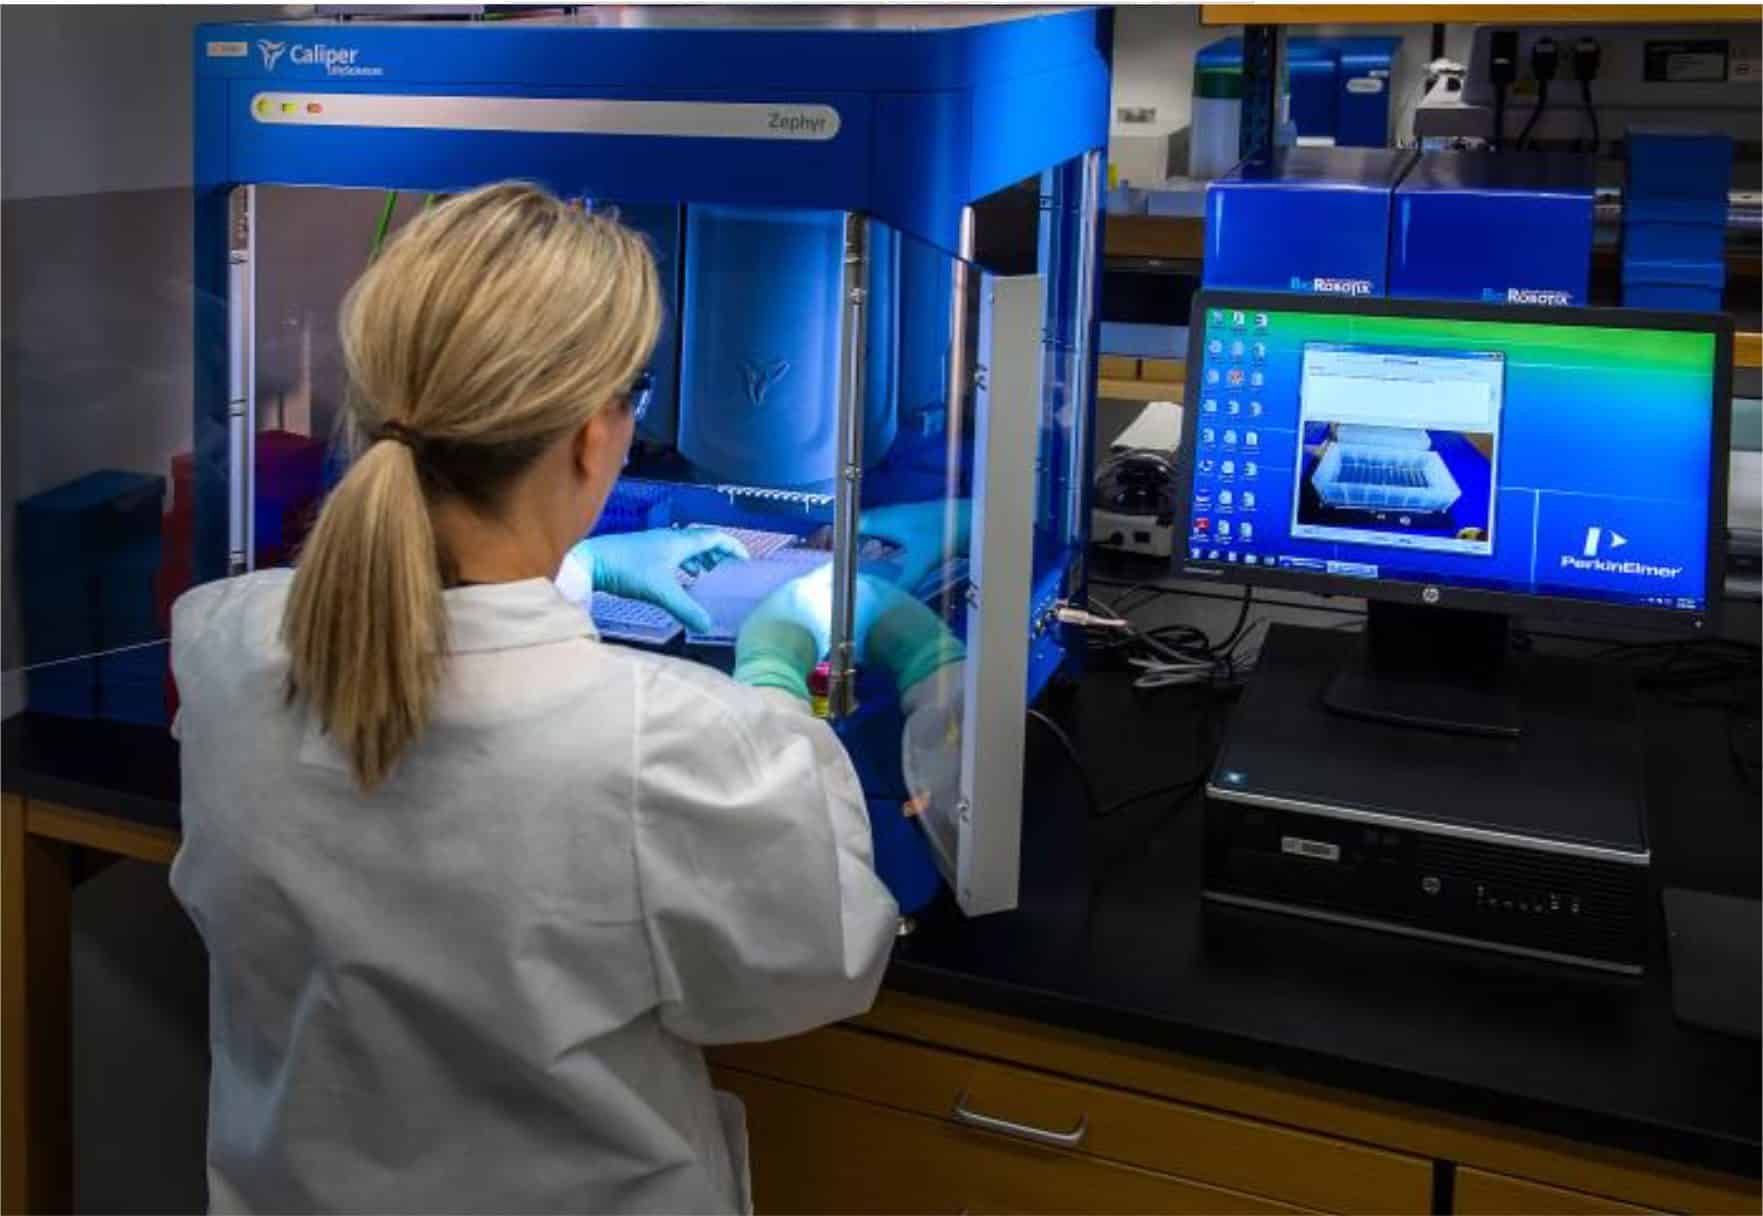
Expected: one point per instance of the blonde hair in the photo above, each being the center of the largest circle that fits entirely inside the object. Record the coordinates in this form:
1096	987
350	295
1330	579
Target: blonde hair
489	328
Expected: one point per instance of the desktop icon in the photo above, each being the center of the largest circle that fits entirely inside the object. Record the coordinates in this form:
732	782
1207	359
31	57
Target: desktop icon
1233	408
1250	468
1228	468
1260	320
1248	500
1209	406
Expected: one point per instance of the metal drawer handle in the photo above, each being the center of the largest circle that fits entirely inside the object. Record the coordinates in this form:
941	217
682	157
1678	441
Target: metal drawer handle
1022	1131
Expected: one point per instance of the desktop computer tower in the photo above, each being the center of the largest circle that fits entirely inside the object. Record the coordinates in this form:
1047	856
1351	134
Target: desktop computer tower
1535	846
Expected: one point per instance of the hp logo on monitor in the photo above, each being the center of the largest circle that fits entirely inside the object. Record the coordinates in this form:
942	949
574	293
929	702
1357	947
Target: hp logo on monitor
1430	595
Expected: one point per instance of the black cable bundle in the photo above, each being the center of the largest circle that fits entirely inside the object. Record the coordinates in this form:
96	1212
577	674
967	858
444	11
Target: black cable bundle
1586	55
1545	60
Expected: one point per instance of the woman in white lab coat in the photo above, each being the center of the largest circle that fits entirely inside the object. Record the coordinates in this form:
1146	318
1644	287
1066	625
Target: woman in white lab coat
475	886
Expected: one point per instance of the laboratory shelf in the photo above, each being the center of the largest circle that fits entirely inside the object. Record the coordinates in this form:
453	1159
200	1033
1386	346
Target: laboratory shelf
1474	14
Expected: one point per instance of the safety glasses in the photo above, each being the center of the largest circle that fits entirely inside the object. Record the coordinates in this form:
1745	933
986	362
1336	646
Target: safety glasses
642	393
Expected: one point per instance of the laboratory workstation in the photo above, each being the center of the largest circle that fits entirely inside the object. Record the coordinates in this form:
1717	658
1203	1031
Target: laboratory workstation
882	608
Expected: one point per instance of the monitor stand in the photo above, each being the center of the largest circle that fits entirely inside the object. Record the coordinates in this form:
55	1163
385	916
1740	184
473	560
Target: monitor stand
1442	669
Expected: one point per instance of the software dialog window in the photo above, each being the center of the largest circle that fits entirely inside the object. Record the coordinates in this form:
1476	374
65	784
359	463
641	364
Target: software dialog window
1398	447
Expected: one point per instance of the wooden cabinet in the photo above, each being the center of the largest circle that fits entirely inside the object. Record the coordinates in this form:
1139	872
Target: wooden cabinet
1479	1193
818	1152
924	1106
961	1094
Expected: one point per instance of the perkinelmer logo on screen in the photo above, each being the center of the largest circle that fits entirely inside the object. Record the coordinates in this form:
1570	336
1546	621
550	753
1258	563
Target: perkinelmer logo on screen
1325	286
1599	541
1526	295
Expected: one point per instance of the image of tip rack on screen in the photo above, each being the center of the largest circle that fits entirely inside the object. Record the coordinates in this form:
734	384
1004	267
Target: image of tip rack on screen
1399	448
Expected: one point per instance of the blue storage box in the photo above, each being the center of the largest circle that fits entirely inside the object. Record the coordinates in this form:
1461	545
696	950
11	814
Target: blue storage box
1367	66
1664	163
1340	87
1676	286
1702	243
1509	228
1704	212
636	506
1313	74
1304	220
65	690
87	518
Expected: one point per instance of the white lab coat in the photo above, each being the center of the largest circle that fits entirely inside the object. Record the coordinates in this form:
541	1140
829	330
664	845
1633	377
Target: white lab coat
483	987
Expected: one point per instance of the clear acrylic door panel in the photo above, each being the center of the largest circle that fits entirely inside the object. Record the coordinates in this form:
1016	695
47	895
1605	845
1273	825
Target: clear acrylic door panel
96	435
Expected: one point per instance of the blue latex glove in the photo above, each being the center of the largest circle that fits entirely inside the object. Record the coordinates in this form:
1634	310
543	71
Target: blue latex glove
791	629
917	527
645	566
901	636
787	634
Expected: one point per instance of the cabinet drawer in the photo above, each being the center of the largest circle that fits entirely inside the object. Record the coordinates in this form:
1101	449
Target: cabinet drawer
1239	1154
1479	1193
817	1152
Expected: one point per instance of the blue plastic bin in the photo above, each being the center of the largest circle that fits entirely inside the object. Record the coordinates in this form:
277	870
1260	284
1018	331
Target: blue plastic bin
1700	243
1677	286
1666	163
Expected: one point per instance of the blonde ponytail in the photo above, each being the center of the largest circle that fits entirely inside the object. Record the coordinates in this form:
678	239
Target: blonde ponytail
490	327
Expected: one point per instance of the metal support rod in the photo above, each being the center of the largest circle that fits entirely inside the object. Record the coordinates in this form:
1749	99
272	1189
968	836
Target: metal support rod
960	380
1261	71
1082	383
848	488
241	380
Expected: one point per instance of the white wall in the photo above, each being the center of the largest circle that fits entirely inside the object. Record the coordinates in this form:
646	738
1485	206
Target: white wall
98	98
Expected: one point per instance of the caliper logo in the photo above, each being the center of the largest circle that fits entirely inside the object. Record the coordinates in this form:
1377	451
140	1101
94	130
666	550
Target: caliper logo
271	52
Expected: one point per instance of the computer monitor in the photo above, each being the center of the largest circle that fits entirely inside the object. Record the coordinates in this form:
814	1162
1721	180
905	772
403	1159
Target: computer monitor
1488	459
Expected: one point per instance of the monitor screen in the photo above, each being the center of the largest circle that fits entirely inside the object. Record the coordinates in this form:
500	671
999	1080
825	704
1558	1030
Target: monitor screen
1516	457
